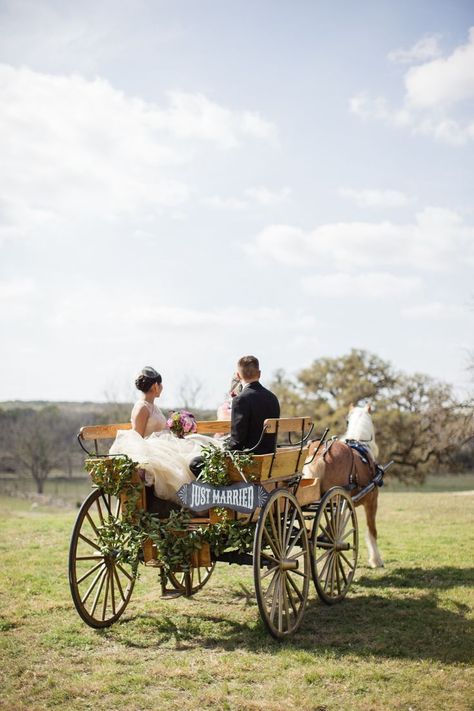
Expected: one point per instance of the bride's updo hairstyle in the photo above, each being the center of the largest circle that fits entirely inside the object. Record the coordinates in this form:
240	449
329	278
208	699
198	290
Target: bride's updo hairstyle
147	377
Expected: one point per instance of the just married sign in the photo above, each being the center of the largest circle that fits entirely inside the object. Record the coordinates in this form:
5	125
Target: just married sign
238	497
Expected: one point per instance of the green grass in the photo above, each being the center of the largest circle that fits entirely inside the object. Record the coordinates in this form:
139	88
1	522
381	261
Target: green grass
402	639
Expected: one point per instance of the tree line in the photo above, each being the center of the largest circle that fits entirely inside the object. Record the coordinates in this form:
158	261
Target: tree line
419	421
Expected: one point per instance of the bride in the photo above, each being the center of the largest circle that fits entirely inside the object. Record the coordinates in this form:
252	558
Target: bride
164	458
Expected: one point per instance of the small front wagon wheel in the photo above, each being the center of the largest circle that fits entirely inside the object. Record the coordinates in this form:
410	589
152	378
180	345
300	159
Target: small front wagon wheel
101	583
335	545
281	564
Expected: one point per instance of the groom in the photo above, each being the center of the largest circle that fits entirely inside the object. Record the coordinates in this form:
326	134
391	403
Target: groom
251	408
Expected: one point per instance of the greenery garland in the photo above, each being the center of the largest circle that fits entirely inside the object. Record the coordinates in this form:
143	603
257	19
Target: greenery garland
175	539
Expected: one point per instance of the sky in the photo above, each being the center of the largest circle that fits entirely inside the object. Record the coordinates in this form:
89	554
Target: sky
184	182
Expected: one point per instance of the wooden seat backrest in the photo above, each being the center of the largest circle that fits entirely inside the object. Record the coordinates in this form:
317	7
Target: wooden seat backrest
284	462
92	432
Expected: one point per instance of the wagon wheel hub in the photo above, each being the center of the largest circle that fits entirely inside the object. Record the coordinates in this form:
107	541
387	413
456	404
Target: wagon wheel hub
288	564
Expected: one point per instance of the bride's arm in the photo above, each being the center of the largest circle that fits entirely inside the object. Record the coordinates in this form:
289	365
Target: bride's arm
139	420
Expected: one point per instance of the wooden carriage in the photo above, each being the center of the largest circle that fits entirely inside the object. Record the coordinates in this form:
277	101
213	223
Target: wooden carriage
297	535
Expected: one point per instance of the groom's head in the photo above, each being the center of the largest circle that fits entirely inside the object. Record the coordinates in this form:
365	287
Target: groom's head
248	369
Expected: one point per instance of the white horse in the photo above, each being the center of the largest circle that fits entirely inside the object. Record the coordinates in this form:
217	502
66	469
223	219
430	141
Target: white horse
361	428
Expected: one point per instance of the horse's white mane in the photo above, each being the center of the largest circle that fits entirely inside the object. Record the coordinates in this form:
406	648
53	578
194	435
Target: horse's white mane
361	428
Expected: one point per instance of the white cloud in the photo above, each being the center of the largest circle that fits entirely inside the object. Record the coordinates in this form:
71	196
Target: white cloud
436	240
433	91
73	148
195	116
434	311
221	203
262	196
268	198
375	198
15	298
426	48
444	81
370	285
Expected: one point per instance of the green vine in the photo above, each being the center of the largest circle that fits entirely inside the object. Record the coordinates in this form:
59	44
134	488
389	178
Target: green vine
175	538
216	461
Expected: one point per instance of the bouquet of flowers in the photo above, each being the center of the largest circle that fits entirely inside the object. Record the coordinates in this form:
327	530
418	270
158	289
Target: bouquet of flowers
181	422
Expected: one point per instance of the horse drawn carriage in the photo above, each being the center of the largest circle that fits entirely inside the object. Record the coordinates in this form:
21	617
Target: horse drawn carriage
293	533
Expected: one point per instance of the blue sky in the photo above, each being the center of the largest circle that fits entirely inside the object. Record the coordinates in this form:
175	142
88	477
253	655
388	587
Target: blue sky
182	183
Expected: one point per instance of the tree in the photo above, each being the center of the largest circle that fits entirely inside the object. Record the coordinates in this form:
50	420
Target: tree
190	391
37	442
418	421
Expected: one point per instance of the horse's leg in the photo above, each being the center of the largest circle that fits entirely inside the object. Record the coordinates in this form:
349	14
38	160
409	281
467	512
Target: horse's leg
370	505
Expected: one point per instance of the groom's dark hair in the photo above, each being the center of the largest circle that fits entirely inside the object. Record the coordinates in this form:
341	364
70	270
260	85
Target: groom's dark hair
248	366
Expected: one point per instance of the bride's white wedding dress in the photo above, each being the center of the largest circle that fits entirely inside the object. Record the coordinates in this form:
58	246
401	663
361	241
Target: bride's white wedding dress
164	458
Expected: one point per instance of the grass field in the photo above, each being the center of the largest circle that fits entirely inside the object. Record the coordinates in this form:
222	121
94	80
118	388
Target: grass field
402	639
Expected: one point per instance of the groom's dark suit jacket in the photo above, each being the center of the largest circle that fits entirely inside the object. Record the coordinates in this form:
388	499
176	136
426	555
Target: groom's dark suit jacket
250	409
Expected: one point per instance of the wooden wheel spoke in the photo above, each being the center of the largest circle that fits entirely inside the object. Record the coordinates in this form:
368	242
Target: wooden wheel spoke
294	541
99	511
280	605
295	588
284	523
276	539
337	576
94	583
301	573
271	543
290	597
341	568
326	564
106	595
270	557
107	504
112	590
296	555
93	526
326	553
344	522
97	595
125	572
348	533
329	525
330	571
89	542
268	572
118	506
351	565
119	585
285	601
272	583
275	595
92	570
89	557
290	529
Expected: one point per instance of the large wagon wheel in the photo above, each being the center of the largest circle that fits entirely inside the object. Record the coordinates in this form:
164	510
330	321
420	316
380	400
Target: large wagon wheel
198	577
335	545
281	564
101	584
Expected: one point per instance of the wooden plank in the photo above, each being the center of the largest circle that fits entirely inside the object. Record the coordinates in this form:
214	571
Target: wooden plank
284	425
110	431
103	431
286	461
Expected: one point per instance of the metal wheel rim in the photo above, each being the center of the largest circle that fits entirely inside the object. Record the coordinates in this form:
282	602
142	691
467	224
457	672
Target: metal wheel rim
335	546
199	577
101	586
281	541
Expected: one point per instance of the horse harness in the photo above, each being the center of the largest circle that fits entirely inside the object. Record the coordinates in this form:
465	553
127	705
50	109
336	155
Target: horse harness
363	454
